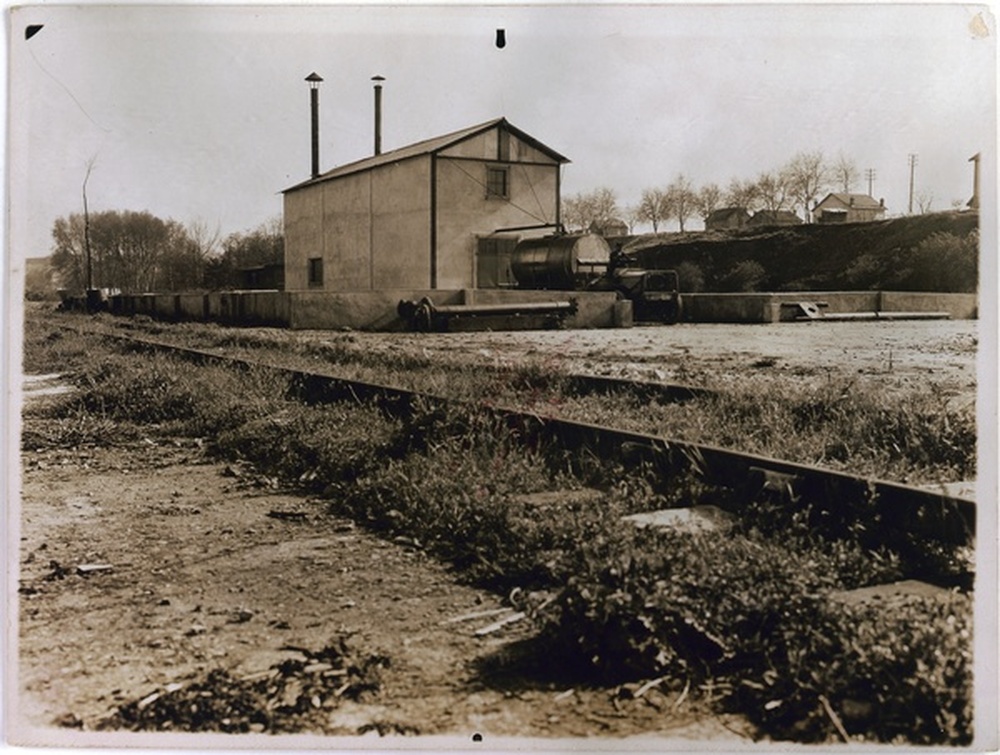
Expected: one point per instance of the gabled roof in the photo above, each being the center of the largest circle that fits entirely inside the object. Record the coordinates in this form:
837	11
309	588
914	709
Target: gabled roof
728	212
427	147
860	201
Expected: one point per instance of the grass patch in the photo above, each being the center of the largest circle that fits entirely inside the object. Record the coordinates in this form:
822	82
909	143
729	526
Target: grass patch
842	425
750	623
744	619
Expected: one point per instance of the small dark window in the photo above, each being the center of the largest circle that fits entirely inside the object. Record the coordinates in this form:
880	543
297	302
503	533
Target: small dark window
315	271
496	182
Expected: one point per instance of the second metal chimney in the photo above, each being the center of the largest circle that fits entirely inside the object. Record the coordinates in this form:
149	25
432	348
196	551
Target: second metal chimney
378	113
314	80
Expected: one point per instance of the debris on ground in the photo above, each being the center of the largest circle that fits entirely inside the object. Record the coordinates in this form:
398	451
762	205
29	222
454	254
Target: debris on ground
294	695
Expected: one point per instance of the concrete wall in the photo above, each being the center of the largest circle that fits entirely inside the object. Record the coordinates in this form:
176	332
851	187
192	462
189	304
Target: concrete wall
401	226
726	308
464	212
376	310
372	310
192	306
960	306
595	309
768	307
303	219
369	310
373	229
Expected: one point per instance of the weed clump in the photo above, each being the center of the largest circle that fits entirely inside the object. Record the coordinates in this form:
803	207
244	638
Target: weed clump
325	448
752	623
164	391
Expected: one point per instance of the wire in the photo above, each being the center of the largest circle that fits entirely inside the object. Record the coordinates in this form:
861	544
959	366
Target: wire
475	180
66	89
531	186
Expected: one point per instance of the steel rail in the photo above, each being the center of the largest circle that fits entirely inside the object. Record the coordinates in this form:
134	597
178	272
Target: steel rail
927	513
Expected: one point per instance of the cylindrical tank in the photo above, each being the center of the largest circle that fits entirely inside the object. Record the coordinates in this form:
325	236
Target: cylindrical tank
559	263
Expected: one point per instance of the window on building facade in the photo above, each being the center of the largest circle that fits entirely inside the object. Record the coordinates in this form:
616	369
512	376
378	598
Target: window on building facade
497	182
315	271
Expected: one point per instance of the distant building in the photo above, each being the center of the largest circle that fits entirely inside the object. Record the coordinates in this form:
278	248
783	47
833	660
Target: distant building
609	228
428	216
727	219
848	208
763	218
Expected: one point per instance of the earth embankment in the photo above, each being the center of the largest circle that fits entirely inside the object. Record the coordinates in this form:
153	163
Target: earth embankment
932	252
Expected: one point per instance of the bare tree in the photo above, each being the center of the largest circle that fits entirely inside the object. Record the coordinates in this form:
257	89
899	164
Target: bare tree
844	173
597	206
806	175
745	194
131	251
772	191
681	199
924	201
652	208
605	205
86	224
708	200
630	215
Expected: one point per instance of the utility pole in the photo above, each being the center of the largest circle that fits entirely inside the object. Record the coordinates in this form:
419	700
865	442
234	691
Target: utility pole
870	175
86	226
913	166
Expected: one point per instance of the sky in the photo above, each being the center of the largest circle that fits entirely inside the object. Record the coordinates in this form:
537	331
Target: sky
200	113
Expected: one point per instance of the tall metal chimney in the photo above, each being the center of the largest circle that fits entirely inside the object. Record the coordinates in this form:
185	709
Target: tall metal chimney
378	113
973	204
314	80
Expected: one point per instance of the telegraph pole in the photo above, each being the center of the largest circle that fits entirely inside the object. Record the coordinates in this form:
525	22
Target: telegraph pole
913	166
86	225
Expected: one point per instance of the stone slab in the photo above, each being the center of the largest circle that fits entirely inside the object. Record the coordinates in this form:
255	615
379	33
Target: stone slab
891	593
693	519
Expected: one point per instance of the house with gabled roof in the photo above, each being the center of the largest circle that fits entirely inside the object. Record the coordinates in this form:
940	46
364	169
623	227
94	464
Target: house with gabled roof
609	228
727	219
842	207
442	213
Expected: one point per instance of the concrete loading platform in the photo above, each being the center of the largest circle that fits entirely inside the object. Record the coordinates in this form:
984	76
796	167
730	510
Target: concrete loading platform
826	305
370	310
379	310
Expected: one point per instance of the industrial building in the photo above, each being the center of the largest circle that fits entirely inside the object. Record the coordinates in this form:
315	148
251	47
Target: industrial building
443	213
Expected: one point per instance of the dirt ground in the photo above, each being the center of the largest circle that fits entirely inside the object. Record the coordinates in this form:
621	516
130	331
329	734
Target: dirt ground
899	355
208	569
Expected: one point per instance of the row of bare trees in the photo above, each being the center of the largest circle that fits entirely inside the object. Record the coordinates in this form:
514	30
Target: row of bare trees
137	252
796	186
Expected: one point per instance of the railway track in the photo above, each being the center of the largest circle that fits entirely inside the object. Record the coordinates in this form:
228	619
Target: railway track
936	513
731	485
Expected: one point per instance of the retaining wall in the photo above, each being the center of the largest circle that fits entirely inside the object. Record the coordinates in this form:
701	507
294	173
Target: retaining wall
768	307
376	310
370	310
